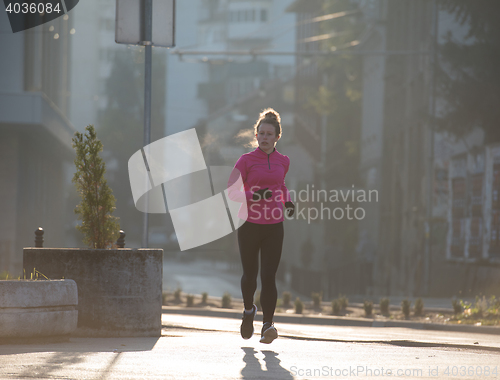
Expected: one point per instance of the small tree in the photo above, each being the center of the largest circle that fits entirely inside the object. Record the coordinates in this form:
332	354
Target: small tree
299	306
335	307
419	306
99	227
405	308
316	297
384	306
226	300
287	297
368	306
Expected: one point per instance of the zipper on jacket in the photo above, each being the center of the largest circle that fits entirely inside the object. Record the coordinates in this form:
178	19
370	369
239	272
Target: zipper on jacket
268	160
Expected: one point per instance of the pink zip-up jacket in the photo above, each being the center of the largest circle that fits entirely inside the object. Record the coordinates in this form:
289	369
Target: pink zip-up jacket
259	170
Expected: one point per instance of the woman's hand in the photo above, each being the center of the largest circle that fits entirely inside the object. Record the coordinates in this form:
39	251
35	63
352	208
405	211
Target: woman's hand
290	208
262	194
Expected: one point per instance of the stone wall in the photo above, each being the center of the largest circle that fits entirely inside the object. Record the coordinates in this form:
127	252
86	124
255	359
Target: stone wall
119	291
30	309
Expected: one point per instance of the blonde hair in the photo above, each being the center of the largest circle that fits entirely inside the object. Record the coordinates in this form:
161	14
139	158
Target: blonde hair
269	116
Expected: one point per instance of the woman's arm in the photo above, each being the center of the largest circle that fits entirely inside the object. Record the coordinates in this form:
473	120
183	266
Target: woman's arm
290	207
237	179
284	191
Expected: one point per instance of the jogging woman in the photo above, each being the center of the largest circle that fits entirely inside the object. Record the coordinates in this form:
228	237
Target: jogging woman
263	174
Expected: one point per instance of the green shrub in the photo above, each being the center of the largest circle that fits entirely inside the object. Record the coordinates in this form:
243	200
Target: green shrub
335	307
405	308
419	307
204	298
368	306
316	297
494	306
189	300
384	306
35	275
287	299
226	301
299	306
100	229
6	276
177	295
164	298
344	301
481	306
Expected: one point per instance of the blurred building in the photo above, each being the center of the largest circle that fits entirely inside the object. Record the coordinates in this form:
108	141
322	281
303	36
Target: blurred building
397	88
91	56
326	254
466	205
35	137
203	87
433	189
307	271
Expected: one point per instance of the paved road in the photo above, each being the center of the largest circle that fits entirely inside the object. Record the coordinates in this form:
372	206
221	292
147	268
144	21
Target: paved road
216	278
211	348
198	276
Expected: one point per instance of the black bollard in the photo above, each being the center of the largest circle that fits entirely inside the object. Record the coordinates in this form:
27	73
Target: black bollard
120	243
39	238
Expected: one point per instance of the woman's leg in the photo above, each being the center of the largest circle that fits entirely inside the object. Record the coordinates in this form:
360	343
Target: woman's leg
248	242
271	246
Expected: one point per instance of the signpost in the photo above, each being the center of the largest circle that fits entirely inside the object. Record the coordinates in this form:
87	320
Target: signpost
136	24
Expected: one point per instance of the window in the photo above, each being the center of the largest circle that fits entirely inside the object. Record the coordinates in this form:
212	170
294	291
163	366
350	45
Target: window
476	238
476	195
458	238
458	188
263	15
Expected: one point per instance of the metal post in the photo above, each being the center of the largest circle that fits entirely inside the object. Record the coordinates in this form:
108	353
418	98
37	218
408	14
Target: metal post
39	238
120	243
148	31
324	124
430	164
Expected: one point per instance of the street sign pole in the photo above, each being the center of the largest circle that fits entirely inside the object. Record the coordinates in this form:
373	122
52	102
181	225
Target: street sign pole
148	31
137	25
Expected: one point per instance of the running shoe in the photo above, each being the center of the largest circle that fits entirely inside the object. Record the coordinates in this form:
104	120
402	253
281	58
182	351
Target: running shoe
268	333
246	328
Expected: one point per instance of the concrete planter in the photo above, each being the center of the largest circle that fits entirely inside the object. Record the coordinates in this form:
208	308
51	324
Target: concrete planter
119	290
30	309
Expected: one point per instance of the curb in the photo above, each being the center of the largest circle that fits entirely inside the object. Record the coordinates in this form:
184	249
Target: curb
331	320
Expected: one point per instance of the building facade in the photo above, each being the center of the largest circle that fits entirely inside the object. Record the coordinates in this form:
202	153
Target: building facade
35	137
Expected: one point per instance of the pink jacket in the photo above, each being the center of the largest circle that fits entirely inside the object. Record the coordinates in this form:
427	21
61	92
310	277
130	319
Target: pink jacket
260	170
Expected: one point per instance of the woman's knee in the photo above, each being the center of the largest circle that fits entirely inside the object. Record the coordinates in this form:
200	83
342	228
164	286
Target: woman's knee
268	279
249	279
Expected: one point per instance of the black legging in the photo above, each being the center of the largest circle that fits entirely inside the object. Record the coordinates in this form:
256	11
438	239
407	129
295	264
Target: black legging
268	238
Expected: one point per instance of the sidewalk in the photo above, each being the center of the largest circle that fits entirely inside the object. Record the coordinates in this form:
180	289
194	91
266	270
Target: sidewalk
193	347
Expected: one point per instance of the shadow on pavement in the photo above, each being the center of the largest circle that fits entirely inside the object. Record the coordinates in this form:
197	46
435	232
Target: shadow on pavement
253	369
83	345
59	361
56	362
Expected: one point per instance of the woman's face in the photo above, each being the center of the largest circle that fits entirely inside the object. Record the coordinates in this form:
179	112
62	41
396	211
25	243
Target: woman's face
266	137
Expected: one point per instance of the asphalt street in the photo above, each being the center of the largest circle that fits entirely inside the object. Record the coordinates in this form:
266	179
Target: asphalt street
194	347
217	278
